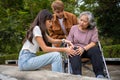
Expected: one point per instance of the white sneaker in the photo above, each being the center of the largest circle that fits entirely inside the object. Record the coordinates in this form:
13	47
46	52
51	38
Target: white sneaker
100	76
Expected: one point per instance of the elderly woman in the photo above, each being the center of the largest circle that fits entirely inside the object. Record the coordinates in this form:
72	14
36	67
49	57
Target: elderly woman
84	36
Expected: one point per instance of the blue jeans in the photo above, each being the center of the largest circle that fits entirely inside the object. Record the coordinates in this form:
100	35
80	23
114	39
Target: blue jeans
29	61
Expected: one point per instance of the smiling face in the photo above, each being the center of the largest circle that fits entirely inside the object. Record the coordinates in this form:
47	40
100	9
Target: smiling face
83	22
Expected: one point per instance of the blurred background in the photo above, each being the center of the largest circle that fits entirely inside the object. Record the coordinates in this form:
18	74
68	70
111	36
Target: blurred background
17	15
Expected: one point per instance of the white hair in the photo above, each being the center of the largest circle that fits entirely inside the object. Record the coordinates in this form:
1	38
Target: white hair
91	19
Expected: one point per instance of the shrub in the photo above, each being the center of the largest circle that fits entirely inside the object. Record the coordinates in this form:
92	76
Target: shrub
112	51
8	57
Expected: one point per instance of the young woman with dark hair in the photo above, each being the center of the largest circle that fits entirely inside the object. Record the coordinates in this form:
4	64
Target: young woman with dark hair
36	38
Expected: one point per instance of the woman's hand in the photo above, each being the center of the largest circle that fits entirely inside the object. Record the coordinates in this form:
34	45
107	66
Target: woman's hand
69	43
79	51
70	51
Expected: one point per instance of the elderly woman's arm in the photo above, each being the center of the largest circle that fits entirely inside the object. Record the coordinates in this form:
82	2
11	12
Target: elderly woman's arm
90	45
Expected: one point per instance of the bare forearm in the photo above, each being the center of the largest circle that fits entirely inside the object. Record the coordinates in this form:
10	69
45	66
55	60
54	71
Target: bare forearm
57	41
54	41
87	47
67	50
53	49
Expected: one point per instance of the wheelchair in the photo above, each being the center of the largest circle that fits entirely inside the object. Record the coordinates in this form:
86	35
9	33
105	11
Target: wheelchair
67	66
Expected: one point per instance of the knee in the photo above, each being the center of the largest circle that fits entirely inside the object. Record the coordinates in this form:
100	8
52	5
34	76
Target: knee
94	50
57	55
75	59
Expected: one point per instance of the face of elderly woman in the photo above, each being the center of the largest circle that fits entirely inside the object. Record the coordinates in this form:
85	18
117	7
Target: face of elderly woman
83	22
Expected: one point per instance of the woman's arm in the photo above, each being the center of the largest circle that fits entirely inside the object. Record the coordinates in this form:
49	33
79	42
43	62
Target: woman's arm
80	50
90	45
94	39
56	41
46	48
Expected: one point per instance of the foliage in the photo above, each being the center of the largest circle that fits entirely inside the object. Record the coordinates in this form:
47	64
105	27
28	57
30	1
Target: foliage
11	31
112	51
70	5
86	5
8	57
108	18
17	15
40	53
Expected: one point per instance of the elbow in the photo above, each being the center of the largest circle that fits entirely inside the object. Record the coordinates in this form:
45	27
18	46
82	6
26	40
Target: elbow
94	43
45	49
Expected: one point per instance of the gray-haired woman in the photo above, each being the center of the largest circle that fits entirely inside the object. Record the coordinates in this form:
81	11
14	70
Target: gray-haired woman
84	36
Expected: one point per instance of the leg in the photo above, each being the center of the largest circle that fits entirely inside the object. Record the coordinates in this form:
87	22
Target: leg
37	62
96	60
75	62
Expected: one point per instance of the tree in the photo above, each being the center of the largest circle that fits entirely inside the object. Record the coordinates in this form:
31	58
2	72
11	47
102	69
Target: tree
9	33
16	17
108	13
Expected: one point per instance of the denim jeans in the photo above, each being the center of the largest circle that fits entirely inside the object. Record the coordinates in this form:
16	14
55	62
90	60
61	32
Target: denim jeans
29	61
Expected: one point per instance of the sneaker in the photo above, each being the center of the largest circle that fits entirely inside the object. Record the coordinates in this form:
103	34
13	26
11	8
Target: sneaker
100	76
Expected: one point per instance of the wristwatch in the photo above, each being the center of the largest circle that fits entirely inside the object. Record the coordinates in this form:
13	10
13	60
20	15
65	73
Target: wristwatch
63	40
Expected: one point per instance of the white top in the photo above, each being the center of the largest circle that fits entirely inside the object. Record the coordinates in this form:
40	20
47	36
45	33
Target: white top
62	25
35	46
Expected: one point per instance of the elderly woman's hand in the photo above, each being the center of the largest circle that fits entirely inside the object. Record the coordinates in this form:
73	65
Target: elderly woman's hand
79	50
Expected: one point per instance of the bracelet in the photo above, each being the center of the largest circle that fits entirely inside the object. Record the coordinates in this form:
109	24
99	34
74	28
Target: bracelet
63	40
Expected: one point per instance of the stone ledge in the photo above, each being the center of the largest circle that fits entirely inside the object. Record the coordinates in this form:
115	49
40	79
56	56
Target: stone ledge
11	61
112	59
40	74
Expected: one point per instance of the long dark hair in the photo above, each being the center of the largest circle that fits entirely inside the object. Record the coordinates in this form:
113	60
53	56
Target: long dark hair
39	21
